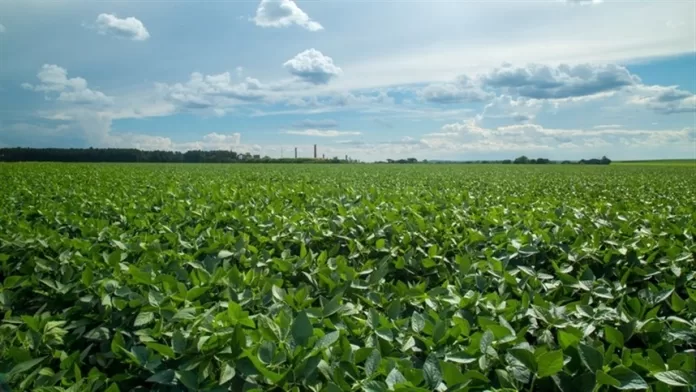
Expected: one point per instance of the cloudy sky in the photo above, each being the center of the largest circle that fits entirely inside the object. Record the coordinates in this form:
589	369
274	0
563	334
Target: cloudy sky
443	79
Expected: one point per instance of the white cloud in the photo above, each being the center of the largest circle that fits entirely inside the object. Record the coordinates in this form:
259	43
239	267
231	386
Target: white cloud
313	66
464	89
322	133
515	109
607	126
54	79
130	28
213	141
519	137
283	13
562	81
664	99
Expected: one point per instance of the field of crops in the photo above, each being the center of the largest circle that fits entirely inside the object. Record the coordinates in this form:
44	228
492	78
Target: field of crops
347	277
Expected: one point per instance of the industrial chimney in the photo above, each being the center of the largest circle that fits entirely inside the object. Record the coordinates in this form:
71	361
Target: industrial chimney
295	152
315	151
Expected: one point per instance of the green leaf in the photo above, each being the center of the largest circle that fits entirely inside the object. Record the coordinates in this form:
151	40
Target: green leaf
613	336
162	349
327	340
372	363
591	358
567	339
196	292
302	329
627	378
655	359
332	306
143	318
549	363
225	254
24	366
185	314
87	276
605	379
431	372
178	342
118	344
374	386
267	352
417	322
112	388
676	378
165	377
486	341
525	357
188	378
227	372
395	377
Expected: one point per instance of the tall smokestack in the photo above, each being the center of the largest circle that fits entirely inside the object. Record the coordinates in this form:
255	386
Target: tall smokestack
295	152
346	157
315	151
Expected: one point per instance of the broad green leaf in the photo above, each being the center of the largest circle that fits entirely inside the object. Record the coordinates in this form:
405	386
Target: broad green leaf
567	339
227	372
143	318
549	363
165	377
162	349
676	378
372	362
628	379
26	365
417	322
591	358
431	371
613	336
327	340
395	377
525	357
302	329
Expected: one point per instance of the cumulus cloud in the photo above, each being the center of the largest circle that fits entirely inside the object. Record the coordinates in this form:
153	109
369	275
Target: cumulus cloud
283	13
130	28
664	99
218	91
558	82
464	89
312	66
582	1
515	109
315	124
54	79
322	133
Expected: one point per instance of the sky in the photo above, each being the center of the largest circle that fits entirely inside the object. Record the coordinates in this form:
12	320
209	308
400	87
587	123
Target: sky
374	80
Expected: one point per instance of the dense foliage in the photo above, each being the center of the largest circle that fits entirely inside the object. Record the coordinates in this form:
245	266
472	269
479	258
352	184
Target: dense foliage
330	278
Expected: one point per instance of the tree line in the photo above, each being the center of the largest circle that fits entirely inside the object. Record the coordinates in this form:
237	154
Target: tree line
20	154
523	160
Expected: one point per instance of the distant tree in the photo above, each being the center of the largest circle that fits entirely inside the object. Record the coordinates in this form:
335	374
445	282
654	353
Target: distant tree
507	162
605	160
521	160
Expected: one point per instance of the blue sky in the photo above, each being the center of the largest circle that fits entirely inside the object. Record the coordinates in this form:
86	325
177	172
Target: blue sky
373	80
